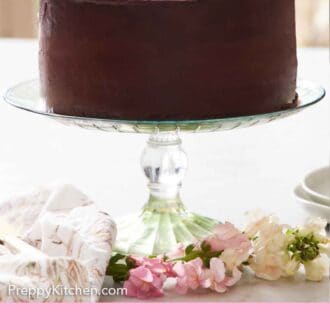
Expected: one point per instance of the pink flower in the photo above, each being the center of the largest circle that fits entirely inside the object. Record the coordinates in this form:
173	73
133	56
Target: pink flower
235	245
218	279
143	283
156	266
226	236
178	253
191	275
148	278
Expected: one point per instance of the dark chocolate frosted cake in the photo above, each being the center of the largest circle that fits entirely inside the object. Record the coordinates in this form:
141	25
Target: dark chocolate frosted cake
167	59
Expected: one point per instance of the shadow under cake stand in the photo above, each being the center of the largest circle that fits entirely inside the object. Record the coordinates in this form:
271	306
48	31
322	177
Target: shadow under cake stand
164	221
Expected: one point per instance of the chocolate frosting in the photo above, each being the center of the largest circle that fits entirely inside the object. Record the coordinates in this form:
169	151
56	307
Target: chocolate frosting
167	59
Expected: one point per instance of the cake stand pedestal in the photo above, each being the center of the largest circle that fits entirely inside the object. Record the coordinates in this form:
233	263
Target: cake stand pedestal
164	221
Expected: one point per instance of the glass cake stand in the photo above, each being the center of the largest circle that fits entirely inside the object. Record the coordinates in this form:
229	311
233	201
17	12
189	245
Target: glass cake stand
164	221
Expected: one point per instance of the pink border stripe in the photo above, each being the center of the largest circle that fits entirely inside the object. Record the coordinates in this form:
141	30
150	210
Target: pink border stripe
164	316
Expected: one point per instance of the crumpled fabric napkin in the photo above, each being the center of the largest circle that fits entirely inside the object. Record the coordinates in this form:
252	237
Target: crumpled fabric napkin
65	242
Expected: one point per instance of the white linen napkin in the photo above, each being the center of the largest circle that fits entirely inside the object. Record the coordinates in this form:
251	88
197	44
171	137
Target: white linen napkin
64	246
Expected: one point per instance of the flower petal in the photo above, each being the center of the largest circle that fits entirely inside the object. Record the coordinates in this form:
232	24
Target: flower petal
218	270
142	273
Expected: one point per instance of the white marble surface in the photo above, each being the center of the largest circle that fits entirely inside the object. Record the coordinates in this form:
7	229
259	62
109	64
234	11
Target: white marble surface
230	172
249	289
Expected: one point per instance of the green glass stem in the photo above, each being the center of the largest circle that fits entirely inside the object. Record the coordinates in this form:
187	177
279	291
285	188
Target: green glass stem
164	222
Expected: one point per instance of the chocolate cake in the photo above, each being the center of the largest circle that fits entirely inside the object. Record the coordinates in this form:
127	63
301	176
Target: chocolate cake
167	59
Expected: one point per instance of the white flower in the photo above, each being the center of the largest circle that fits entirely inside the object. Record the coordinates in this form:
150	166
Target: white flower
271	259
265	224
291	267
325	248
315	226
311	247
280	250
267	266
317	269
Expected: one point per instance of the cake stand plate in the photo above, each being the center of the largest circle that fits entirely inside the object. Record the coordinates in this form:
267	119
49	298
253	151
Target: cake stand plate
164	221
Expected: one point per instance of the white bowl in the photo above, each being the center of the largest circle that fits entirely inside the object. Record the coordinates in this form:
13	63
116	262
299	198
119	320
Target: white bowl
313	208
317	185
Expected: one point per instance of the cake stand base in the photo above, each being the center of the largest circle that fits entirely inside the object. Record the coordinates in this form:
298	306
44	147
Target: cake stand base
164	222
159	228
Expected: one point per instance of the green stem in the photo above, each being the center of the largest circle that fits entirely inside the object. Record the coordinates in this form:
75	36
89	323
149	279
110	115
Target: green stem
191	256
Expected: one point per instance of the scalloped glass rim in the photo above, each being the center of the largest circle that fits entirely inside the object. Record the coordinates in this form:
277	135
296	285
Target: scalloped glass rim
26	96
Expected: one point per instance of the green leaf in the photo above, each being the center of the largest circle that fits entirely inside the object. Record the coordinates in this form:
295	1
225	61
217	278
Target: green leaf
116	270
130	262
189	249
206	261
116	258
206	247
